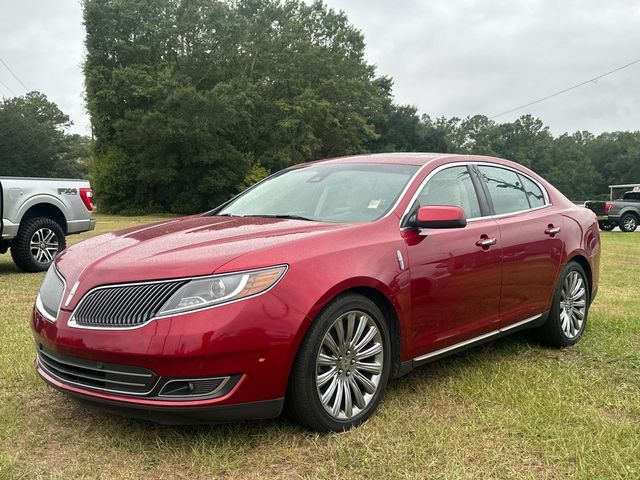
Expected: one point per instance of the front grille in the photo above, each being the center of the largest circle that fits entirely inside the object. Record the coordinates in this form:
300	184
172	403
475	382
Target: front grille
123	306
101	376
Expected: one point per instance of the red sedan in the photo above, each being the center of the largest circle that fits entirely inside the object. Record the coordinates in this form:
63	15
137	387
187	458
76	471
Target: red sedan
313	288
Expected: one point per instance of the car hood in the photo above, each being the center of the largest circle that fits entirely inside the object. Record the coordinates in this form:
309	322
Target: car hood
184	247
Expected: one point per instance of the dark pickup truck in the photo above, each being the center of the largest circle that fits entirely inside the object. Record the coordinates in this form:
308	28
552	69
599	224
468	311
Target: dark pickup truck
623	213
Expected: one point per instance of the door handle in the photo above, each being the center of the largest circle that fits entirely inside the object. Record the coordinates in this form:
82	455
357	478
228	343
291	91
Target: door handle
485	242
552	231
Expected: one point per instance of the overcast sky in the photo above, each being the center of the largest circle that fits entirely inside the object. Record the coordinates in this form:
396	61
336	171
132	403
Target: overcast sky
447	57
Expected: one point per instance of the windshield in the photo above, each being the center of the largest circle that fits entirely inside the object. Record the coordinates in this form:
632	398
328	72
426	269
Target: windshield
339	192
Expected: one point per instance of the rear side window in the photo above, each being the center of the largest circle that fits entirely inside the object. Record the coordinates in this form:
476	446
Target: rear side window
451	186
631	197
506	190
533	191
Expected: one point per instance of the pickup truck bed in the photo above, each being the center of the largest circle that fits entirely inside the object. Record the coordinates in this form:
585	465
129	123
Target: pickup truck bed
37	213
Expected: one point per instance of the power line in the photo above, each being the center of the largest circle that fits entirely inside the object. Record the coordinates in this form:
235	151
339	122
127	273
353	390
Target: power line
14	75
7	87
594	79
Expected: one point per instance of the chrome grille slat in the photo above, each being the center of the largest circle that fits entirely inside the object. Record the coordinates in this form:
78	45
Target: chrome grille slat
78	374
97	375
123	306
138	315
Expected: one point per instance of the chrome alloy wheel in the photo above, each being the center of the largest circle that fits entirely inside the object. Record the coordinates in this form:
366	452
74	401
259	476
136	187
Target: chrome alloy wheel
349	365
630	223
573	304
44	245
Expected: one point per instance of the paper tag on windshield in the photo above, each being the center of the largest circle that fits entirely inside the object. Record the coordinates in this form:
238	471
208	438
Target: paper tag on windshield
374	204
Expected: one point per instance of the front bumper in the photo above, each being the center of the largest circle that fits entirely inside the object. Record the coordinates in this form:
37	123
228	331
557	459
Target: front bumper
253	341
173	414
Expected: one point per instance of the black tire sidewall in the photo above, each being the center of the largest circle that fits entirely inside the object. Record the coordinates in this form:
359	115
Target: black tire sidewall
320	419
21	248
606	226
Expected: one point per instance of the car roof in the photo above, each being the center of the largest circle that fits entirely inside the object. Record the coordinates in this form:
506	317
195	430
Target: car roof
403	158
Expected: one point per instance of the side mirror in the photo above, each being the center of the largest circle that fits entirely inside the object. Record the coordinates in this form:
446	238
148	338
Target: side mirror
440	216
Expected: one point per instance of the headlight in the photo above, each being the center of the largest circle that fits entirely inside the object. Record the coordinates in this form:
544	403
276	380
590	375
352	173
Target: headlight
50	294
211	291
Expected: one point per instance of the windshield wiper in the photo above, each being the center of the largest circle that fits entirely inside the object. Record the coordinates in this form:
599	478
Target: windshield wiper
290	217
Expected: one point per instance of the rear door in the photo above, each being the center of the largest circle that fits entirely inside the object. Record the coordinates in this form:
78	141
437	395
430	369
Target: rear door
455	273
531	233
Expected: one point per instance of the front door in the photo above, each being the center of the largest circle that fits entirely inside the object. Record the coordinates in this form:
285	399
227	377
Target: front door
455	273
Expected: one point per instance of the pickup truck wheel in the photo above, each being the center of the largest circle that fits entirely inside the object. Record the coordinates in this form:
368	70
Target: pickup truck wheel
606	226
628	222
37	243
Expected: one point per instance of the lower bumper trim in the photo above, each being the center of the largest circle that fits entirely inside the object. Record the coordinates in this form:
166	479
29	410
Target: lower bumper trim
260	410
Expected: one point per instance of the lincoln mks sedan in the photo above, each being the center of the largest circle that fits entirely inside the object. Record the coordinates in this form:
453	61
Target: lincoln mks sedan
312	289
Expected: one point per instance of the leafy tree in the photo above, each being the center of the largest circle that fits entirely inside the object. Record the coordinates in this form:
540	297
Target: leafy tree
190	94
33	141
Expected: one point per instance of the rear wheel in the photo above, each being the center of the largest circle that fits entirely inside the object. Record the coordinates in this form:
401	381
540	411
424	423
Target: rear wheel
628	222
37	243
569	310
342	367
606	226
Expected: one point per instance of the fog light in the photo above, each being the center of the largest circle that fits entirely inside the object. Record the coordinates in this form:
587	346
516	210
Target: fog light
193	387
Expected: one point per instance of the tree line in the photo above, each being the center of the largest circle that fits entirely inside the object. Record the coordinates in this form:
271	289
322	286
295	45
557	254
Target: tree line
193	100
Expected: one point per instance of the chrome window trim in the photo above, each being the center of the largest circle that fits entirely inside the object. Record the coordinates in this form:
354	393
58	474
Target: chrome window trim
225	380
503	215
72	323
471	341
424	182
408	185
40	306
476	163
545	194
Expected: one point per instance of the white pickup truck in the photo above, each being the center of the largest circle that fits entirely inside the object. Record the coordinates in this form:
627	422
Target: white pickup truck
37	213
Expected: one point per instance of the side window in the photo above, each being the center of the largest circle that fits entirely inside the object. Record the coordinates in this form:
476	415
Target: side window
451	186
534	194
506	191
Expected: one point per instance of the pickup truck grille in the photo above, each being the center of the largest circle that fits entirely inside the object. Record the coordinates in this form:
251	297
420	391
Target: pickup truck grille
97	375
123	306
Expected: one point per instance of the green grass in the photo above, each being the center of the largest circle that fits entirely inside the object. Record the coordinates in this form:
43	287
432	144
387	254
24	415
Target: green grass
510	409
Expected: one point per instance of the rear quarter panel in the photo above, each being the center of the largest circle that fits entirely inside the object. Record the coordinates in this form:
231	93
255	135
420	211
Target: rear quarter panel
582	238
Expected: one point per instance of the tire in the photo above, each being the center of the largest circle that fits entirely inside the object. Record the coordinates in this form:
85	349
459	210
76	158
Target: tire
628	222
40	231
303	400
560	331
606	226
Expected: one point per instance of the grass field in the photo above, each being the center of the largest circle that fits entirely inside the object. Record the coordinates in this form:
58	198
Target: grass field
510	409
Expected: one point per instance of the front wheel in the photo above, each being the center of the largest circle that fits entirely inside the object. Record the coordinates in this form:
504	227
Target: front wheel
606	226
569	310
628	222
342	367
